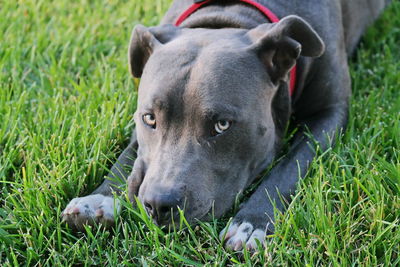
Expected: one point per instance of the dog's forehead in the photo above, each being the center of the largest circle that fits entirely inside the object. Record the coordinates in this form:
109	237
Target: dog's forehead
210	68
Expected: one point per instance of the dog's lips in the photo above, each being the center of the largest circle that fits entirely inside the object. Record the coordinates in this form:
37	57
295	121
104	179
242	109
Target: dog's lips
205	214
191	220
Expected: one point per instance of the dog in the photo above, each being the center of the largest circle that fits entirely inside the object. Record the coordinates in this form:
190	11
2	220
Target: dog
215	99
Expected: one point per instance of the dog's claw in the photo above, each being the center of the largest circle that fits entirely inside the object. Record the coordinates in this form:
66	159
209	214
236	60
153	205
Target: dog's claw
99	213
74	210
257	234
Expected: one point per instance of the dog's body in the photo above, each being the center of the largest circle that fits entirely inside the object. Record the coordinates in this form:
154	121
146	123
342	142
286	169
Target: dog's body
214	104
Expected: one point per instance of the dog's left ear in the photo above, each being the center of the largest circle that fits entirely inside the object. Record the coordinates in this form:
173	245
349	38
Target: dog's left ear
144	41
280	44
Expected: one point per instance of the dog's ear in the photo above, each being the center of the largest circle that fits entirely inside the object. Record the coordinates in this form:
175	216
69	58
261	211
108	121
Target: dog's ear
144	41
280	44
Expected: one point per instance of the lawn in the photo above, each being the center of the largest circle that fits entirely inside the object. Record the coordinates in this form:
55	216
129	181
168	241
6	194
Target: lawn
66	105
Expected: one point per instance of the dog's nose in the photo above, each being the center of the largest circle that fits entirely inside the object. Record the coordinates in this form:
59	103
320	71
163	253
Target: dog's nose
162	207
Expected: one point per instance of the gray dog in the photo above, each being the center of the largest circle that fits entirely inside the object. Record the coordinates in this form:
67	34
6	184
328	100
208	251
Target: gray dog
215	100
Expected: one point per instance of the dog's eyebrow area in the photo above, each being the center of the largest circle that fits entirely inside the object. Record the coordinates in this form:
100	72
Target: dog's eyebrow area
160	104
219	112
160	101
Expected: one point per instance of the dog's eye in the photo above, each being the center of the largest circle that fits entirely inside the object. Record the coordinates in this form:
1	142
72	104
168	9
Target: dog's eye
150	120
221	126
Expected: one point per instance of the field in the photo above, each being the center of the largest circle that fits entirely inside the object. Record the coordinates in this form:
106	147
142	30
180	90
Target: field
66	105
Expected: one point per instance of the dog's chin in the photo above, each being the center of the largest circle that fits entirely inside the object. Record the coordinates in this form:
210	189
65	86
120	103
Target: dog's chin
207	214
191	218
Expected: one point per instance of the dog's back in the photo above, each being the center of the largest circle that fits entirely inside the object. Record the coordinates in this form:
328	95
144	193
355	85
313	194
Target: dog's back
356	16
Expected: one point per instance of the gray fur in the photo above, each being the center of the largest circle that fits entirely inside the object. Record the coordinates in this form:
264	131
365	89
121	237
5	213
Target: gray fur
228	62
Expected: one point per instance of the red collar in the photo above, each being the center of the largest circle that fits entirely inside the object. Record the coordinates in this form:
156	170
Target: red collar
268	13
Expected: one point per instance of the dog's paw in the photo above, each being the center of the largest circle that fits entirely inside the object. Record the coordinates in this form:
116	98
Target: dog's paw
241	235
90	210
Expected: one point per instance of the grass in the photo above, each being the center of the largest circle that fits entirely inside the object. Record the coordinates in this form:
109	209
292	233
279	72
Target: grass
66	105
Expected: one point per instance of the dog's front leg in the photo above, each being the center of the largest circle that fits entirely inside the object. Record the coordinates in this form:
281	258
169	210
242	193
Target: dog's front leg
100	206
255	218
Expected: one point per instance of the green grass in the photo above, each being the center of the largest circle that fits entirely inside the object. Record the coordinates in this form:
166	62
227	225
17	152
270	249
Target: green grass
66	105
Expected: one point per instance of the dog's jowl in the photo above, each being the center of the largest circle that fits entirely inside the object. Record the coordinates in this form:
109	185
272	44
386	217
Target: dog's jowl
220	81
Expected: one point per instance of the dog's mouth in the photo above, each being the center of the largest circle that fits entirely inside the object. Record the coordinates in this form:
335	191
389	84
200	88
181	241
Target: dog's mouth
175	216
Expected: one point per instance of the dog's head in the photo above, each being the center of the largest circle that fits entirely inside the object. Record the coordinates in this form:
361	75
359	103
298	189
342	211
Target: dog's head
212	106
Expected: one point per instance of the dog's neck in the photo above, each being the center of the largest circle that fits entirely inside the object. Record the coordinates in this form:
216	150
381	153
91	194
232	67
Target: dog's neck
228	14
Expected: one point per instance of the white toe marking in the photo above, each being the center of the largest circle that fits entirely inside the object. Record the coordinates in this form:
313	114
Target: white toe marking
90	209
237	240
244	234
106	208
227	233
259	235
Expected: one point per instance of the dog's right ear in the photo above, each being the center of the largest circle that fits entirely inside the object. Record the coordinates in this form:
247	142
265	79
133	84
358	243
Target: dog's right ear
279	45
144	41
